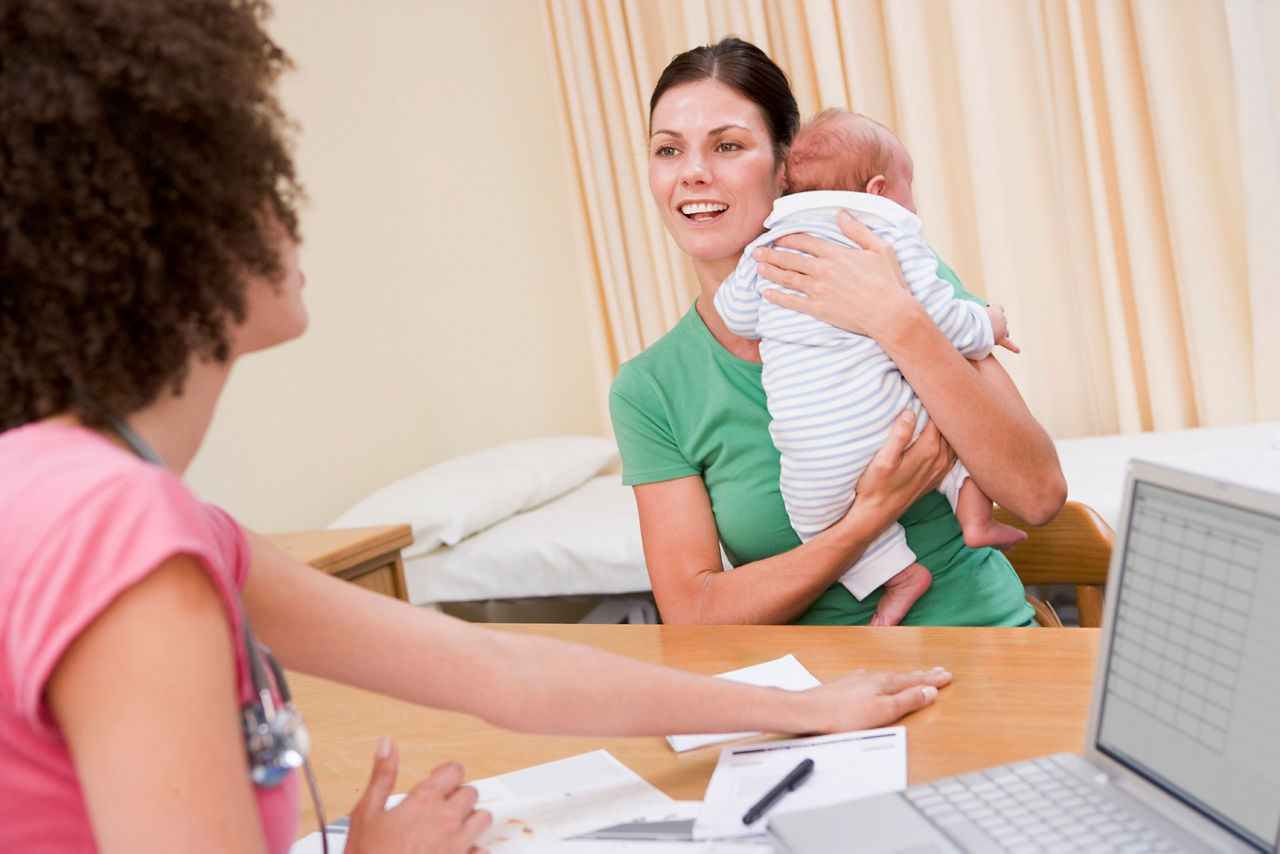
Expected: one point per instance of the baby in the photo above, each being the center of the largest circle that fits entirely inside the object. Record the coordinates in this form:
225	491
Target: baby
833	395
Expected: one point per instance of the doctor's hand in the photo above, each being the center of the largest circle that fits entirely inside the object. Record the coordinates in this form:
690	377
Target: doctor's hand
905	469
868	698
437	816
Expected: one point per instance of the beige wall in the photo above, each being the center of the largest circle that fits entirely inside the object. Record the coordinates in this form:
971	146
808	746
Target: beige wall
446	314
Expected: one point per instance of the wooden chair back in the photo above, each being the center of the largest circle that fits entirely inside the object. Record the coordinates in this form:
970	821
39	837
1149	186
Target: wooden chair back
1075	549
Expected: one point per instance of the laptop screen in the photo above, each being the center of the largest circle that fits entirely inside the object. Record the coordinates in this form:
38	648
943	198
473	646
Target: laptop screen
1191	698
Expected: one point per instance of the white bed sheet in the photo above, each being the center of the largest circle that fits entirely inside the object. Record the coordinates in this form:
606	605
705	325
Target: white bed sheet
588	540
1095	465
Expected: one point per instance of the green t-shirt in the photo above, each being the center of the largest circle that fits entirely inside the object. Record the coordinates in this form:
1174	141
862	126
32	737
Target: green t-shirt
687	406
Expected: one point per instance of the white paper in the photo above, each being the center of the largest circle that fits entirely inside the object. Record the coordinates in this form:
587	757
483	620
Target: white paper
785	672
745	845
545	803
846	766
310	844
554	800
337	829
677	810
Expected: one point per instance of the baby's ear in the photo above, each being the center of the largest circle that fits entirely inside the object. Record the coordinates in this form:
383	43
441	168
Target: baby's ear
876	185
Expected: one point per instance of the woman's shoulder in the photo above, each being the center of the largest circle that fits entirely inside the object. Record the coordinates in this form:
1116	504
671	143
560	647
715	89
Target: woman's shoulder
83	520
678	350
51	465
683	369
70	491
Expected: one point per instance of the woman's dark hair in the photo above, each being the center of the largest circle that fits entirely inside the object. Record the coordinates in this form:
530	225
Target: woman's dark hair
143	160
746	69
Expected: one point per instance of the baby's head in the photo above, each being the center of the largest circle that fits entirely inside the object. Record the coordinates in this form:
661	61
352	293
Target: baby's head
840	150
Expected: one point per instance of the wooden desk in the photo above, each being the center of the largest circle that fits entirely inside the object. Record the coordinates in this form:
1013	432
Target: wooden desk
1017	693
369	557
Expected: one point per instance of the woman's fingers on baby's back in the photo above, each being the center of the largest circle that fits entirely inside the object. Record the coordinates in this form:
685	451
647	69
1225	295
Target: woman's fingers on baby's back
900	433
931	446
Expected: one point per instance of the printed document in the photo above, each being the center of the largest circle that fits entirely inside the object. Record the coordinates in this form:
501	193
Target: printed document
846	766
545	803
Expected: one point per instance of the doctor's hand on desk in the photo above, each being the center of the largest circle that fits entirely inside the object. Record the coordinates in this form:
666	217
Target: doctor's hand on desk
868	698
437	816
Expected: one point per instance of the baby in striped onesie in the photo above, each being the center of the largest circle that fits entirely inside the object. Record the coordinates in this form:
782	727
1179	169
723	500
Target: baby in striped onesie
833	395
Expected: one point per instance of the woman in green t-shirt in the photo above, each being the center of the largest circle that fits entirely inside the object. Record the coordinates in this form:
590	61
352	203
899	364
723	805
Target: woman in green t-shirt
689	412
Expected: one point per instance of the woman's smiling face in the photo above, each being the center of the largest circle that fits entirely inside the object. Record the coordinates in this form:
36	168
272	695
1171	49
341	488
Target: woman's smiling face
712	171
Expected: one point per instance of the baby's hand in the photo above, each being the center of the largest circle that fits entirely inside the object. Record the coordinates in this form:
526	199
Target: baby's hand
1000	329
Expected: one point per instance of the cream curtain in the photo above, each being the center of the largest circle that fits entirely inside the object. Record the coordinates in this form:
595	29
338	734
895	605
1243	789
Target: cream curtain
1109	171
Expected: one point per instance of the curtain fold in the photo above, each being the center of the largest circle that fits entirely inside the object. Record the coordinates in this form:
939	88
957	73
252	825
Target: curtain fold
1108	171
1256	80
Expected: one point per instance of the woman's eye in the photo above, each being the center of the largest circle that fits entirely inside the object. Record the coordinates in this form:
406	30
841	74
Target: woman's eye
664	151
728	146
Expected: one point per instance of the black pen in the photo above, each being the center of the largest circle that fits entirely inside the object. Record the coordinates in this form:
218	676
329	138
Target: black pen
798	775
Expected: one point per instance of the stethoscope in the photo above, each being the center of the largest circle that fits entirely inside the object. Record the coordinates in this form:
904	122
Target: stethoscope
276	739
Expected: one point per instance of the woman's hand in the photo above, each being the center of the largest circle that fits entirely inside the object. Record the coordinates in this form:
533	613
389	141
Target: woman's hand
980	411
857	290
868	698
438	814
902	470
682	549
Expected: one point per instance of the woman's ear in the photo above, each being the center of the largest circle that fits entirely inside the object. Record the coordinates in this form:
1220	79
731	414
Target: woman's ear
780	179
876	185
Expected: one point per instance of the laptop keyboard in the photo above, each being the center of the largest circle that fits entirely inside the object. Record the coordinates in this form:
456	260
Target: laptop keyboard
1029	806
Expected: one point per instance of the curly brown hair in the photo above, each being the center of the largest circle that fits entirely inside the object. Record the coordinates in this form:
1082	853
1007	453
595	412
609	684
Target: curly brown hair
143	155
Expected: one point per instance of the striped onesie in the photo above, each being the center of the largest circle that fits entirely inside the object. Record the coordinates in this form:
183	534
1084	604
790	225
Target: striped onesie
833	395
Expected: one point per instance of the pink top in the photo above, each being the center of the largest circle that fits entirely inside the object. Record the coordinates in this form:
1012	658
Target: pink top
82	520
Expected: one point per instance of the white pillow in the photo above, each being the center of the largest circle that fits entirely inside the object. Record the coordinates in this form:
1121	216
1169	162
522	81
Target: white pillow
458	497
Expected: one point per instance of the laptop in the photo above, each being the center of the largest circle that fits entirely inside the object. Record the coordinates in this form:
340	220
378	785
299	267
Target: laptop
1183	745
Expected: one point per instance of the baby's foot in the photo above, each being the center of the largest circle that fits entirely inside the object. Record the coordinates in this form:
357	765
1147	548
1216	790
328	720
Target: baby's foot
993	534
900	593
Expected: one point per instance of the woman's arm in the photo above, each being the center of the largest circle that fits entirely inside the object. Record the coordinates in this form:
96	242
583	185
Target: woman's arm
321	625
682	551
146	700
979	411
